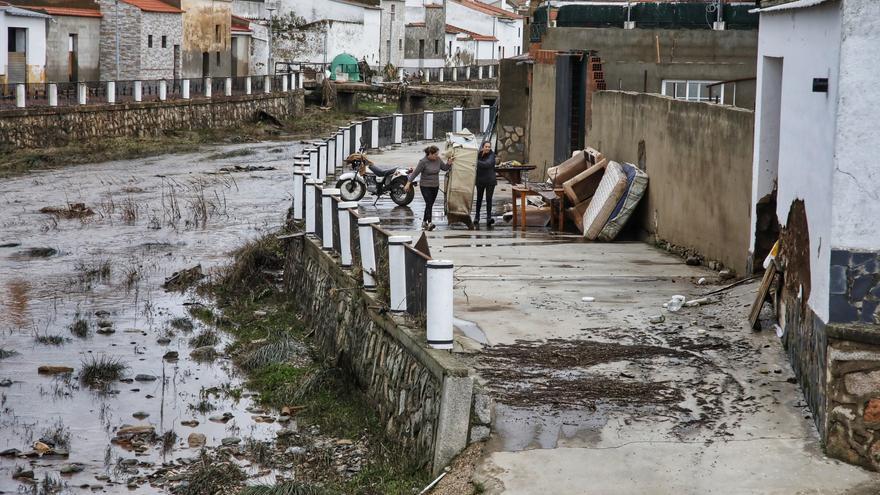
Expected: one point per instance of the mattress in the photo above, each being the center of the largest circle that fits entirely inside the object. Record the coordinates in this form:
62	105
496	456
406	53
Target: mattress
611	189
637	181
459	187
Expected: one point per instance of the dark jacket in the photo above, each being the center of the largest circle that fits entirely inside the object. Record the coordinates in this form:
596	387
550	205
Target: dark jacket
430	172
486	170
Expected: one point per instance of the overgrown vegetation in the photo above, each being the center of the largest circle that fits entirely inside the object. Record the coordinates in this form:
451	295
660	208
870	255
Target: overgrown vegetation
47	339
80	326
205	338
269	345
58	435
99	371
289	488
213	474
6	353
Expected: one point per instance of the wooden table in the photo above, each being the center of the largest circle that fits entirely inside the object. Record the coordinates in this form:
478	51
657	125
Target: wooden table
522	191
513	175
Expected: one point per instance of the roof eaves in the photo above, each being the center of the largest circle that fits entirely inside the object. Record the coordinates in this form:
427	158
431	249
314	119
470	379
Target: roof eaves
797	4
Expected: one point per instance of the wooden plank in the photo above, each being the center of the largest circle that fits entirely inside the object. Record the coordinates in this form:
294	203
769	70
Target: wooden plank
763	292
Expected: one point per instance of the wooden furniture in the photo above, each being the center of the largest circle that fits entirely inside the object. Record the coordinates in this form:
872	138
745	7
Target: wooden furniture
511	174
521	192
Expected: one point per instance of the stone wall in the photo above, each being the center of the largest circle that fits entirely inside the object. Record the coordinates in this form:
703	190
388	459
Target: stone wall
157	62
855	286
45	126
128	28
422	396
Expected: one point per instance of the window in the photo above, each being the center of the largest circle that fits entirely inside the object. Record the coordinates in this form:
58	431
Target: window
217	33
164	41
450	47
218	59
150	41
693	90
517	50
400	44
436	46
392	12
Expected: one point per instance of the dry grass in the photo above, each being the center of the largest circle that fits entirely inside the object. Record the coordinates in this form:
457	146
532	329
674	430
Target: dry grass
99	371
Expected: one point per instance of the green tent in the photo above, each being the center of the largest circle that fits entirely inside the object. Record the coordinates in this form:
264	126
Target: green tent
345	63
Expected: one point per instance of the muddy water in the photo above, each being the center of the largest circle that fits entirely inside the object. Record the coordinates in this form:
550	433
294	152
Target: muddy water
151	217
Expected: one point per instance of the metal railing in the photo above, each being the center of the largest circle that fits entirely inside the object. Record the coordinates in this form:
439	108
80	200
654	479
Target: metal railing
60	94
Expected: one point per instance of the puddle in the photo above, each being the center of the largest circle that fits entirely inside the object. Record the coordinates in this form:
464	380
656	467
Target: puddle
519	428
152	217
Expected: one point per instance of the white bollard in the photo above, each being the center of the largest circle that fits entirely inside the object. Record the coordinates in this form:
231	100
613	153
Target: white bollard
429	124
397	271
398	128
184	89
53	95
346	144
285	83
227	86
300	174
491	71
208	88
313	160
20	95
442	73
163	90
480	72
331	156
248	85
467	73
342	150
439	312
345	232
358	135
138	91
82	93
111	92
267	84
455	73
300	82
311	187
456	119
327	217
322	161
374	141
428	76
368	255
484	118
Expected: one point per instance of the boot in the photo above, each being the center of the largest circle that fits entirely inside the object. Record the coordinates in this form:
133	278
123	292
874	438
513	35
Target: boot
477	216
489	219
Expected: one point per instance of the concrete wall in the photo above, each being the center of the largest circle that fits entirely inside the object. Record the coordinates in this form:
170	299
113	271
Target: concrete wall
39	127
207	28
422	396
241	54
128	27
542	114
36	46
698	159
88	31
392	32
630	57
513	85
433	31
158	62
258	59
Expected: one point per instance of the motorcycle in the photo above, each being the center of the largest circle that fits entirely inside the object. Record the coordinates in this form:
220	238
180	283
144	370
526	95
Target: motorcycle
367	177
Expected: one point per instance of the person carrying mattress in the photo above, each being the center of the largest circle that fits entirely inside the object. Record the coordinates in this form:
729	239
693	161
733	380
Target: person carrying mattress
429	167
485	181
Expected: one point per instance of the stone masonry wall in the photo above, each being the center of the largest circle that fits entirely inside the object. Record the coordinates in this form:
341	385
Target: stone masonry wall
158	62
42	127
128	28
411	388
855	286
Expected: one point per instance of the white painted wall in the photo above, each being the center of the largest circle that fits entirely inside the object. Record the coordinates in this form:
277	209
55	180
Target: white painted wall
508	32
415	11
808	40
392	32
316	10
36	42
353	38
258	62
856	176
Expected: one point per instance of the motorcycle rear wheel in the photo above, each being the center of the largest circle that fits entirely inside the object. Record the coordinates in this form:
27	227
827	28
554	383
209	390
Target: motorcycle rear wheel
398	194
351	189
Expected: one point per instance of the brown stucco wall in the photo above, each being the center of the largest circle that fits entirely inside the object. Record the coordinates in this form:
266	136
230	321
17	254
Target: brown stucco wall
39	127
698	157
207	28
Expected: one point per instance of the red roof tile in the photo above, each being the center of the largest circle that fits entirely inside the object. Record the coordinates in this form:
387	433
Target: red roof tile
154	6
474	36
68	11
487	9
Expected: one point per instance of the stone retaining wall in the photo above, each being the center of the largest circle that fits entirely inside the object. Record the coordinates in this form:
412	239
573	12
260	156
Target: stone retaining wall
59	126
423	396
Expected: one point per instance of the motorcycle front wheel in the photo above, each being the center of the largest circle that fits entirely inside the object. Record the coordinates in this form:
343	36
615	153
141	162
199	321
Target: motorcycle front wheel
351	189
398	193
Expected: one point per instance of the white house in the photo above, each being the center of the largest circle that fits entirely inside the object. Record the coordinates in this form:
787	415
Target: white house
487	21
465	47
816	166
333	27
22	45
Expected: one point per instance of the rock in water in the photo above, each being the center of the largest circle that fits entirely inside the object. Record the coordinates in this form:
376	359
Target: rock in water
145	378
170	356
196	440
47	369
71	468
230	441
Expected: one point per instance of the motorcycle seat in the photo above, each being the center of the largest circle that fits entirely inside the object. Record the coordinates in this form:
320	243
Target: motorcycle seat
382	172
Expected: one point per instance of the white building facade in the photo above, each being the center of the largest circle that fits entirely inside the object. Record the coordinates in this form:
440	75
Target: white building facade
22	45
332	27
489	23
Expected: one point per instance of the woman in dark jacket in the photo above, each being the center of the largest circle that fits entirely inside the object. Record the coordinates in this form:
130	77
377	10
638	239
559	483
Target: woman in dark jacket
485	181
429	168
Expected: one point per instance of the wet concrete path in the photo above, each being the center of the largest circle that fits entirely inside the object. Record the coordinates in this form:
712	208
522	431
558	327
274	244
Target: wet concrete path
149	218
614	394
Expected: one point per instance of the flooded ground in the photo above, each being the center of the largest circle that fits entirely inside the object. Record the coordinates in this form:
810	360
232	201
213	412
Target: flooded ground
104	262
